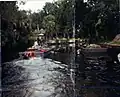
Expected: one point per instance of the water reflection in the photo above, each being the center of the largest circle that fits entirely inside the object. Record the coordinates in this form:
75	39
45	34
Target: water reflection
51	77
34	78
96	79
14	80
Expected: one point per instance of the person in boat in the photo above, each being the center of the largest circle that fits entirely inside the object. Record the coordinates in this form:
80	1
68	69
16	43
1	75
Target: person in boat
35	45
38	40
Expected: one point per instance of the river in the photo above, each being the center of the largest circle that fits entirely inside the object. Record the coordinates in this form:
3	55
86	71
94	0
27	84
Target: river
62	74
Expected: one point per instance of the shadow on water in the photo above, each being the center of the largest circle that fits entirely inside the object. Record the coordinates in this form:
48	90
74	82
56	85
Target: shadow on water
98	79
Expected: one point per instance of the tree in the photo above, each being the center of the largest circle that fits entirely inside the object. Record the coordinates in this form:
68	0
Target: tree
15	29
49	25
64	16
99	17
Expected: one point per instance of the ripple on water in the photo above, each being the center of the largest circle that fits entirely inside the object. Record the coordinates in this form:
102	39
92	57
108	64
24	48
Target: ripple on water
41	78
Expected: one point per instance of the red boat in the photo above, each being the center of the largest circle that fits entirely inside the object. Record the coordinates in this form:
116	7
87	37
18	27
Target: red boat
31	52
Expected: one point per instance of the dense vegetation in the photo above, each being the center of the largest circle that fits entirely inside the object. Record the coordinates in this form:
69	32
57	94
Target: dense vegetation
98	18
94	18
15	29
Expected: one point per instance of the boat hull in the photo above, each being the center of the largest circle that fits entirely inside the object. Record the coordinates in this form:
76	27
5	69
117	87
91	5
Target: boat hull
35	53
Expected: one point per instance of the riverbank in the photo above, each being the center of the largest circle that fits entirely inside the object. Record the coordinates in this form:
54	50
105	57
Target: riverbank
10	52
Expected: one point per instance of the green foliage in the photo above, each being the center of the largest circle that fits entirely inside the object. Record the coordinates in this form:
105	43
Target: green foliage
100	18
94	18
115	42
49	24
56	18
15	30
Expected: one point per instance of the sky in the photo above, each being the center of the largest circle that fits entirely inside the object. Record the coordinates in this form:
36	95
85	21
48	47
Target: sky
34	5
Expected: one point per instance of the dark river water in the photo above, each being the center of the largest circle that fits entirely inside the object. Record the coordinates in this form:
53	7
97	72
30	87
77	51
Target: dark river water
61	74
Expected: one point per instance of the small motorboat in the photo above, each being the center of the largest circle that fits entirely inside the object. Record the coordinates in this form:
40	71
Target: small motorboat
33	52
30	53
